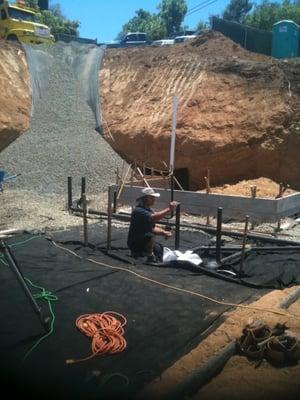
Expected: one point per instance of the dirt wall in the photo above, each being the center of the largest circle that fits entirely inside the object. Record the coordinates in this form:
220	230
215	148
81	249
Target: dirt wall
239	113
15	93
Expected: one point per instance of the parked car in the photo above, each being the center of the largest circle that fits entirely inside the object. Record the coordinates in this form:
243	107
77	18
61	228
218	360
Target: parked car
131	39
163	42
184	38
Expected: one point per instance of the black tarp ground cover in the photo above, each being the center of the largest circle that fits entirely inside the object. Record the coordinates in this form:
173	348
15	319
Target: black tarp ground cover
162	326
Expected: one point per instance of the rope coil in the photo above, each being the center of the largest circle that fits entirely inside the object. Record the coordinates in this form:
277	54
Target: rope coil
106	331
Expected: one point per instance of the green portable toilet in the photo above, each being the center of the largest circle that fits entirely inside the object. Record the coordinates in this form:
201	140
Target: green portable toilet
285	41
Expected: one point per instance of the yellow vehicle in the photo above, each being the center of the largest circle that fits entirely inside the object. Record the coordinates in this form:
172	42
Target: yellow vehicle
17	23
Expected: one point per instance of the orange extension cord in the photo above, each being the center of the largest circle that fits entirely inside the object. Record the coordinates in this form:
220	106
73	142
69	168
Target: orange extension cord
106	332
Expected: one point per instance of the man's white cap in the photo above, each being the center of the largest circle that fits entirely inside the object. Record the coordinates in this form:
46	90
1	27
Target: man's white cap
149	192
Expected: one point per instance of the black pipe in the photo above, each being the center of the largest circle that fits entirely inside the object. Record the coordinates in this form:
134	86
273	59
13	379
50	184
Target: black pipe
14	267
253	249
177	228
235	256
202	375
256	236
70	194
219	234
83	186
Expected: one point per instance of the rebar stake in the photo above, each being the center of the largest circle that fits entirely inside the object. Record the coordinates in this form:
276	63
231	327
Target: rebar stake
70	194
85	220
219	234
177	228
83	186
244	246
109	217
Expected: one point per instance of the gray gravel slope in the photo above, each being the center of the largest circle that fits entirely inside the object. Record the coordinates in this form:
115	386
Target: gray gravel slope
62	140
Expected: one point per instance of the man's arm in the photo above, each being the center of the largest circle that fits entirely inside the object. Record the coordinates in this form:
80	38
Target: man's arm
161	232
157	216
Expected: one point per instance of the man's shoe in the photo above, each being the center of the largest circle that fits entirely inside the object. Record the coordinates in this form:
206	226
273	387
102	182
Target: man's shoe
152	259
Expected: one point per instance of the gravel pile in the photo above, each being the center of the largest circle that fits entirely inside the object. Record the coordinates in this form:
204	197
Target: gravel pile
62	140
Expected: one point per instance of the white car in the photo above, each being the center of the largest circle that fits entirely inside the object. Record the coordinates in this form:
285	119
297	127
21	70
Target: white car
180	39
163	42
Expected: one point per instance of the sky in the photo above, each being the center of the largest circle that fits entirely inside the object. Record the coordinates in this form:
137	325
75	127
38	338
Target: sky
103	19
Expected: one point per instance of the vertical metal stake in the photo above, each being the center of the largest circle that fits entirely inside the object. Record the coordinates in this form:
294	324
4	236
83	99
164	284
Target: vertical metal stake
16	270
70	194
115	202
85	220
207	180
177	228
244	246
253	195
109	217
83	186
219	234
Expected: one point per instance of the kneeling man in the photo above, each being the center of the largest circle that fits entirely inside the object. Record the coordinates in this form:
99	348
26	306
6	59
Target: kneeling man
142	231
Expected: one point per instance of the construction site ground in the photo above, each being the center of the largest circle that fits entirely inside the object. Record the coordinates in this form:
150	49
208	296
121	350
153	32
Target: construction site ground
50	215
238	115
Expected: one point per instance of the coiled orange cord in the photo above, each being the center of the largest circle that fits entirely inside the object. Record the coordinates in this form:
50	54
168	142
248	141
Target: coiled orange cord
106	332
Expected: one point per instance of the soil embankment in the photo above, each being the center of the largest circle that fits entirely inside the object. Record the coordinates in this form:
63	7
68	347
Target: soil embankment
15	89
239	112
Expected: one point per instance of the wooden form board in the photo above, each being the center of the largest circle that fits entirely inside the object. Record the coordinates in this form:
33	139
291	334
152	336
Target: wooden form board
234	207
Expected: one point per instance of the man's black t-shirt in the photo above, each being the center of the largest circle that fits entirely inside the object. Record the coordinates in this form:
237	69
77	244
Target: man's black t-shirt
141	226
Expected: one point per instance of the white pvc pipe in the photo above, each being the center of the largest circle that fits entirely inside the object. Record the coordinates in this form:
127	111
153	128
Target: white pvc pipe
173	138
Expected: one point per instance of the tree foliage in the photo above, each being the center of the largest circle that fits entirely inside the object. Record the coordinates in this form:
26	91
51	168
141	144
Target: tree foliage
158	25
172	13
237	10
202	26
146	22
55	19
267	13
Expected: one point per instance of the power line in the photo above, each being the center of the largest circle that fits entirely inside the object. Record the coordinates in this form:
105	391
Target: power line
201	6
198	5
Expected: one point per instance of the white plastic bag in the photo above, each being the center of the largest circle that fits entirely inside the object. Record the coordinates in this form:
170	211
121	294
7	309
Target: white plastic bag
189	256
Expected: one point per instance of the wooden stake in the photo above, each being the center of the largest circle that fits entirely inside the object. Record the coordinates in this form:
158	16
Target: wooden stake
123	182
143	177
279	196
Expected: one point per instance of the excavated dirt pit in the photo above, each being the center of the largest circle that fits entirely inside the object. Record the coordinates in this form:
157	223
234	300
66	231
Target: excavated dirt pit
265	188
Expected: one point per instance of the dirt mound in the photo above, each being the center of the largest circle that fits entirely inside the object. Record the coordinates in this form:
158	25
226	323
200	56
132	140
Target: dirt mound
15	89
264	188
239	115
214	44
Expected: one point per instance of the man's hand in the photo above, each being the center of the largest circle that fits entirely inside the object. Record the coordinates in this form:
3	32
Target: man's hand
167	234
173	205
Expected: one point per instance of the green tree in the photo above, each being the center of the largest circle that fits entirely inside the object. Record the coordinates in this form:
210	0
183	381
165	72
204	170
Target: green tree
202	26
172	13
55	19
237	10
144	21
267	13
32	3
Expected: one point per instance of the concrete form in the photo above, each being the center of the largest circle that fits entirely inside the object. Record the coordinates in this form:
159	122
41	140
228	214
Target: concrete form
234	207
